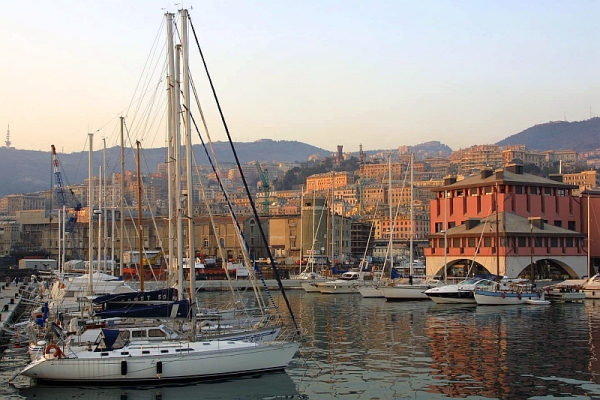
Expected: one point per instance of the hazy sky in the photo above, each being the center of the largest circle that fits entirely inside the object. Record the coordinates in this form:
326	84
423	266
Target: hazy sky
377	73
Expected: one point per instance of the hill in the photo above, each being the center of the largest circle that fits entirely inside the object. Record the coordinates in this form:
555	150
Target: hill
27	171
559	135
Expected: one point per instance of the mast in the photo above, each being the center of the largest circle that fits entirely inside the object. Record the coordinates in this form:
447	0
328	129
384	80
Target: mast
104	215
99	213
391	241
171	121
589	254
122	203
139	208
497	241
446	234
189	180
91	214
178	201
412	224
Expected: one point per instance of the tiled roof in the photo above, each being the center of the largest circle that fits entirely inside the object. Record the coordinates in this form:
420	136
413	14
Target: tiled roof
510	224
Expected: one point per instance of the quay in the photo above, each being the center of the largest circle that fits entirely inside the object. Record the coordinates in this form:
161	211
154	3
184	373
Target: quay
223	284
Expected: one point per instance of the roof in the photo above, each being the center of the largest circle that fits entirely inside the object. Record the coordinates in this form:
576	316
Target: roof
510	224
504	176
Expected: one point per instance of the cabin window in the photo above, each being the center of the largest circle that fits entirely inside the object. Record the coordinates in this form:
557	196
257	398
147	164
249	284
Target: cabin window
145	351
155	333
138	334
164	351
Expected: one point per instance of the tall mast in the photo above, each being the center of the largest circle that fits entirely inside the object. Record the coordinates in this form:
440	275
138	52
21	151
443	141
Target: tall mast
104	214
122	203
189	160
178	201
390	202
412	224
171	121
91	214
497	241
139	208
589	254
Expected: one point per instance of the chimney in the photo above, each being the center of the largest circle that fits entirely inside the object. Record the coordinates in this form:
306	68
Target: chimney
486	173
556	177
449	180
538	222
472	223
515	168
499	174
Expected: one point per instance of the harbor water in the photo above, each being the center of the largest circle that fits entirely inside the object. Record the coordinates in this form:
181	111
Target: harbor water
357	348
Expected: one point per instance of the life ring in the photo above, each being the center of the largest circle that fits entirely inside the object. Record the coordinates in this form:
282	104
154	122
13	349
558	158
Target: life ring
56	353
503	295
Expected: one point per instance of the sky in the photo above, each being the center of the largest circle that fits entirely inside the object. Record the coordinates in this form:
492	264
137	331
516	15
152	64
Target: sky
378	73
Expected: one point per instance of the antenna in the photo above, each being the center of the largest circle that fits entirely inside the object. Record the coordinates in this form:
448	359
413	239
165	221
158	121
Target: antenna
7	142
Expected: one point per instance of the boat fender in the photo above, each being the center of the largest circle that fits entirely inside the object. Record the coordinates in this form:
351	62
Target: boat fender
56	353
503	295
123	367
159	368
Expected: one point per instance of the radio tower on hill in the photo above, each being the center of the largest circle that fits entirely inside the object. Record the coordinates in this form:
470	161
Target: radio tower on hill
7	142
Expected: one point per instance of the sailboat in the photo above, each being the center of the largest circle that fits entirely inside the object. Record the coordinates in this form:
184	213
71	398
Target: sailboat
115	357
412	289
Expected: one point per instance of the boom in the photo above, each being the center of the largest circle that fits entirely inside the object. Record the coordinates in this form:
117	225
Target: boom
68	201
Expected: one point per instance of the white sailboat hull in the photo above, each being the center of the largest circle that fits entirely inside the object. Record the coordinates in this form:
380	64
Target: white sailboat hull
405	292
371	291
338	287
503	298
167	361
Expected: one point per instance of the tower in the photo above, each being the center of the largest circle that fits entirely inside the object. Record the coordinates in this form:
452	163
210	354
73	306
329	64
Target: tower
7	142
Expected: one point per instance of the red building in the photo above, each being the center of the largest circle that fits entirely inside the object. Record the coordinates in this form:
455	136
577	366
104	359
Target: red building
508	223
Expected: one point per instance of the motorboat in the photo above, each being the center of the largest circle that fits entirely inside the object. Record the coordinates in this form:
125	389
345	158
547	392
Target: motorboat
507	292
460	293
347	283
407	289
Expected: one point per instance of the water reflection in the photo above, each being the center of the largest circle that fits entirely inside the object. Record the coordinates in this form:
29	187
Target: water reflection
252	387
358	348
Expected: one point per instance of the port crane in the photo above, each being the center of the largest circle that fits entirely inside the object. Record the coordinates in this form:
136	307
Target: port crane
65	198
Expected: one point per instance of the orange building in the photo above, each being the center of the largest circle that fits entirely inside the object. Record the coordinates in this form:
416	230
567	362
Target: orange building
509	223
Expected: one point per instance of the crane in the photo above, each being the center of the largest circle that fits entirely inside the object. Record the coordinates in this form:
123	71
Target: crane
68	201
265	187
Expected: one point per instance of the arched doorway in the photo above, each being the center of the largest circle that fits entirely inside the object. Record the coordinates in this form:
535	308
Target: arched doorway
548	270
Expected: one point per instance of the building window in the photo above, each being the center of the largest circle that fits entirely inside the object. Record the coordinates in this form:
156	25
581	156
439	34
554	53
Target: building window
205	242
519	189
533	190
487	242
568	242
553	242
558	223
456	242
547	191
571	225
471	242
522	242
488	190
